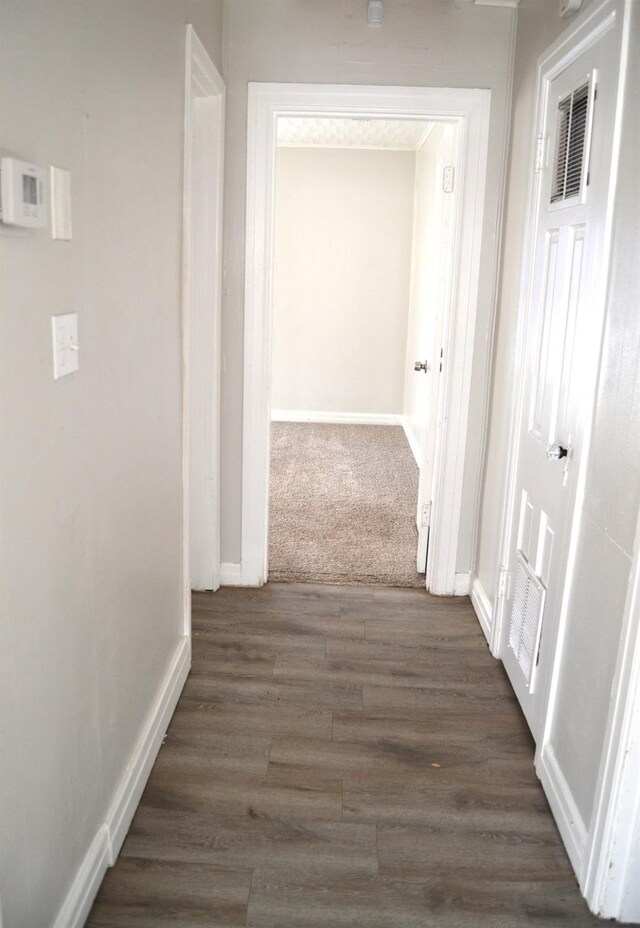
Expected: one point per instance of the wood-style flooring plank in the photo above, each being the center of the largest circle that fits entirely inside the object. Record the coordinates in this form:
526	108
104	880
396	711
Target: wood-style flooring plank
445	730
389	672
260	636
247	689
268	797
248	842
412	852
251	718
448	648
141	892
283	599
447	802
395	761
403	702
212	751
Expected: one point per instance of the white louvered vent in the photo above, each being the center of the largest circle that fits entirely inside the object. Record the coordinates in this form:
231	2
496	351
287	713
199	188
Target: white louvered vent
570	158
526	619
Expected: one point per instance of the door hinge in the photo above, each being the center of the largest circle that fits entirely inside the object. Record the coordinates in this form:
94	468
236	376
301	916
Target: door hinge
441	357
425	516
448	175
541	149
504	584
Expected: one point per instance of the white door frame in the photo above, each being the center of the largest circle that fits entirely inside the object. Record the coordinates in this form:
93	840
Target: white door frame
470	110
201	315
608	881
600	851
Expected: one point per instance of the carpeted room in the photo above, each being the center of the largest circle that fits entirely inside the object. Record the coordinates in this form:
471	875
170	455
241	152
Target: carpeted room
359	233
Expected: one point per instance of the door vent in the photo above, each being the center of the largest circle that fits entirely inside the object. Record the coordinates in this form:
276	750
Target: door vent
526	619
571	141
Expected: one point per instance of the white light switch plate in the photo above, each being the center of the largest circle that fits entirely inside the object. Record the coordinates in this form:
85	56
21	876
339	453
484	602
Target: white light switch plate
65	344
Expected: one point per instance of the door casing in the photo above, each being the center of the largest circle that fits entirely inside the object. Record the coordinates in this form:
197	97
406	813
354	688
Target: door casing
201	317
469	110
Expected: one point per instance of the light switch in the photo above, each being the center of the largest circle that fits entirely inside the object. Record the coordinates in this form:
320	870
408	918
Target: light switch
65	344
60	204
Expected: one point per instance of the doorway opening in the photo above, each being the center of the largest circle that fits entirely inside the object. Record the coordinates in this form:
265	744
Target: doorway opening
466	112
361	289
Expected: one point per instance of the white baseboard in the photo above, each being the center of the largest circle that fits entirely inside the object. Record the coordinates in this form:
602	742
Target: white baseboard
108	840
231	574
337	418
413	444
144	753
79	899
565	811
461	584
482	606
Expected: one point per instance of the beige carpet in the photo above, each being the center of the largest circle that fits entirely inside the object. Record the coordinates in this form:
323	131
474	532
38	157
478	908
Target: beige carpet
342	505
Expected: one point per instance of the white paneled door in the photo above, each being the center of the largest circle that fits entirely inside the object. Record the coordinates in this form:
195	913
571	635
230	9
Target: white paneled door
434	305
563	333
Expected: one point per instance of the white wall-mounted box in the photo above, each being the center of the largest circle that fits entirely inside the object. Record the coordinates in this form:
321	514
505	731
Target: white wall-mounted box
22	193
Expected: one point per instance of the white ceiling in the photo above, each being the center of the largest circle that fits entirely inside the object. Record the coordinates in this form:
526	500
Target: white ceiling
348	132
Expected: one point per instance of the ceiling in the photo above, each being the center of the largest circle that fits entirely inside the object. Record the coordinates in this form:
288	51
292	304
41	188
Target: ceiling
351	132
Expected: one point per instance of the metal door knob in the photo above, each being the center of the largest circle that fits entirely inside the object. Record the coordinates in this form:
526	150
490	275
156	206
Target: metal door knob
421	366
556	452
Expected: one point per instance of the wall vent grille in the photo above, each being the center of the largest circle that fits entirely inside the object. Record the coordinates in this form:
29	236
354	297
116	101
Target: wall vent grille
526	619
571	141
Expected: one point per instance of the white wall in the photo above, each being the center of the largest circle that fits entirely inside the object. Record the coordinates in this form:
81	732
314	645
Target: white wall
423	43
426	292
90	482
607	536
341	285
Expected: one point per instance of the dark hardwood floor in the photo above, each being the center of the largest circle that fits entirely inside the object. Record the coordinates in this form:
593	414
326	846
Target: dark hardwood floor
342	756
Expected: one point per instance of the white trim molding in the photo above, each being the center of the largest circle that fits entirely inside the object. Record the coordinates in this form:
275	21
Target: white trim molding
335	418
204	120
106	844
230	574
482	606
610	887
413	443
565	811
469	111
462	584
85	886
127	796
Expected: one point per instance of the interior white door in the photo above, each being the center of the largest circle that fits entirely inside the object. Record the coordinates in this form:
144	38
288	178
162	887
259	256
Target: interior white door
576	120
433	305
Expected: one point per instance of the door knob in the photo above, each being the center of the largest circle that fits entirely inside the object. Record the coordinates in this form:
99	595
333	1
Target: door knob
556	452
421	366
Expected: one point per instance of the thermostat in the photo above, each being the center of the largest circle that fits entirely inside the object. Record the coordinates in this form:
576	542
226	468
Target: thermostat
22	193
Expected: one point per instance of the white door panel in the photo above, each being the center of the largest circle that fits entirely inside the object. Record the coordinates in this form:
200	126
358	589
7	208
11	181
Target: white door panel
561	332
436	305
